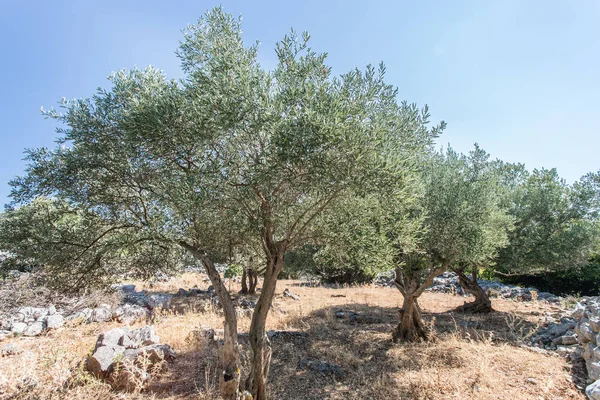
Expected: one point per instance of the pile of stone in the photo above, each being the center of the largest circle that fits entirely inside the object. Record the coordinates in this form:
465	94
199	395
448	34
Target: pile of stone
128	358
137	306
587	331
31	321
576	335
448	283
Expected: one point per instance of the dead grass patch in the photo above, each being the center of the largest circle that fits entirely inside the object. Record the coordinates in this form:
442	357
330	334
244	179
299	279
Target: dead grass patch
471	357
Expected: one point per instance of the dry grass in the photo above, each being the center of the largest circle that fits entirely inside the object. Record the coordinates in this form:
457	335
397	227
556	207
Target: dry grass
470	357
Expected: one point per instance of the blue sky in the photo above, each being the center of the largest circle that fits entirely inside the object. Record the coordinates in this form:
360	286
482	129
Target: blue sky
522	78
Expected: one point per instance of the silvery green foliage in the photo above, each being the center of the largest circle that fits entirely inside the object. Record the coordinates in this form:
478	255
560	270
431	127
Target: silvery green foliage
556	224
460	216
231	155
77	247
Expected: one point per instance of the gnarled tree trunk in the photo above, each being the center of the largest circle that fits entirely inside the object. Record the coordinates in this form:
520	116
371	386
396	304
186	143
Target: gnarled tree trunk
411	327
482	303
229	357
260	344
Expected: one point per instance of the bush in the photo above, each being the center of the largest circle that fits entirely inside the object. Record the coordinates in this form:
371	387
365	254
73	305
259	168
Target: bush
233	270
299	263
583	281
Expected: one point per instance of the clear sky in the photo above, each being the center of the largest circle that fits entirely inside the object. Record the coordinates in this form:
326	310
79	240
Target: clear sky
522	78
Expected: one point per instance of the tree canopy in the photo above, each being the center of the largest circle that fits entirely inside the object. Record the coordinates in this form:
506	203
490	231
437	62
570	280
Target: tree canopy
555	223
232	154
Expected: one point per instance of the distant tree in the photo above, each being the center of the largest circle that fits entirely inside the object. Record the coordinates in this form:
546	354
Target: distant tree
353	246
460	224
231	154
556	224
79	248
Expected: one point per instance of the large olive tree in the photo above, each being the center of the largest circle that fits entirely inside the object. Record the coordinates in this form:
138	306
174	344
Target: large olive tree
459	223
231	154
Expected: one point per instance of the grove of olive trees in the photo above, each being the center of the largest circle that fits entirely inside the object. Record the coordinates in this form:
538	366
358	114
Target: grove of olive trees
153	174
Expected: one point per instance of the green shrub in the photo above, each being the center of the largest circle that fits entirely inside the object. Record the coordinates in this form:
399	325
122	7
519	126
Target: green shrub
583	280
233	270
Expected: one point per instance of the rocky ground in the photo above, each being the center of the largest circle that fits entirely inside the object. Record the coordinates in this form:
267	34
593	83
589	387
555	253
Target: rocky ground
329	343
448	283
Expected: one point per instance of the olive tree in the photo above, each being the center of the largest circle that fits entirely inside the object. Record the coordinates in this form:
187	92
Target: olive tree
556	224
458	223
231	154
484	178
78	248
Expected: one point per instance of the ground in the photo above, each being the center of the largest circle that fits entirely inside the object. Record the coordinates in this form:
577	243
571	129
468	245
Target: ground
475	357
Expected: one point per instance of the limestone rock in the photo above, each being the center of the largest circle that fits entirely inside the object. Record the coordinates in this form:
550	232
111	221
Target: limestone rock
100	314
112	337
289	294
156	353
55	321
127	358
595	324
129	313
18	327
34	329
593	391
569	340
593	370
101	362
585	332
143	337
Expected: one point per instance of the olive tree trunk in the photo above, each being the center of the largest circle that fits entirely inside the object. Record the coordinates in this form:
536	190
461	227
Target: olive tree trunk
229	357
253	280
244	281
482	303
259	342
411	327
409	282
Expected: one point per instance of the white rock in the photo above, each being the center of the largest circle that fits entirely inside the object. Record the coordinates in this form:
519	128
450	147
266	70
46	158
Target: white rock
130	313
55	321
34	329
143	336
593	370
18	327
585	332
578	311
101	314
102	360
112	337
593	391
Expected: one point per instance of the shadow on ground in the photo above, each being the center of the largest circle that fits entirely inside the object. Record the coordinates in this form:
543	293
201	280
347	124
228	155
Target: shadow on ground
355	337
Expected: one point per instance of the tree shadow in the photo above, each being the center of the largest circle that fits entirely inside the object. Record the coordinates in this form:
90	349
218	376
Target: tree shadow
354	337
